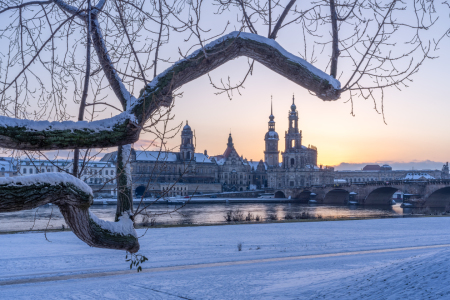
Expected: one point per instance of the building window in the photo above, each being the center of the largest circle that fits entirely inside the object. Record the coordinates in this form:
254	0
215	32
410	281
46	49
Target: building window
106	172
24	171
31	171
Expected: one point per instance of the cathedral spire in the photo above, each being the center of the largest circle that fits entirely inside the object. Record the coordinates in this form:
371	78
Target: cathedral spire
271	104
293	107
271	117
271	140
230	141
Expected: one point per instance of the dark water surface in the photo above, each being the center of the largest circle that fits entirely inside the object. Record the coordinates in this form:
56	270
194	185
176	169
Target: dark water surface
50	216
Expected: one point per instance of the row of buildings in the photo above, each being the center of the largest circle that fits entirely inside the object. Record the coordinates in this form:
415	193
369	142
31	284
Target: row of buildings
99	175
186	172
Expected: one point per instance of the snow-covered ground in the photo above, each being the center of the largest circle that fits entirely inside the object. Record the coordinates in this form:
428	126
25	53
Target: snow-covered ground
204	263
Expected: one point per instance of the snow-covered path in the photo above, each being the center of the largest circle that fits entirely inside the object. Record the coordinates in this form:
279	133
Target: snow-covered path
266	268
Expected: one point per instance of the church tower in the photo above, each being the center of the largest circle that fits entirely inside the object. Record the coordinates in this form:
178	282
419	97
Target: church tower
271	139
187	143
293	137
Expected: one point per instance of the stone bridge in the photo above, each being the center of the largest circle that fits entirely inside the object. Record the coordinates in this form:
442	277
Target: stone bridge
432	193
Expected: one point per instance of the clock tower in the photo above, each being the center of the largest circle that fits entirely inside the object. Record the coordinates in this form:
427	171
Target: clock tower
271	152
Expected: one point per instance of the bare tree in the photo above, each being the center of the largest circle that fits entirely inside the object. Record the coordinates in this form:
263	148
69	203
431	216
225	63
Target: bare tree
48	56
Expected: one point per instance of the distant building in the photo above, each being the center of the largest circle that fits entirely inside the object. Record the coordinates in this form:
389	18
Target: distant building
172	173
186	172
445	171
7	167
385	173
299	163
372	168
100	176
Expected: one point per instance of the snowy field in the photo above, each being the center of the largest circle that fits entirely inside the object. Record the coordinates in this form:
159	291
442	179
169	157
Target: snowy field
406	258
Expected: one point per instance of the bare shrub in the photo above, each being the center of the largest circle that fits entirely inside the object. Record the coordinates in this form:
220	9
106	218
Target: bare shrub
257	218
238	216
319	216
147	221
272	217
303	215
235	216
229	216
239	246
288	216
249	217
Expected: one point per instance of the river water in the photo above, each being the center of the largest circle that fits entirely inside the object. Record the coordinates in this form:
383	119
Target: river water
162	214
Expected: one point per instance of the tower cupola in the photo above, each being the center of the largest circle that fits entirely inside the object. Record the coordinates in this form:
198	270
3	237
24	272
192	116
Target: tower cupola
230	141
187	148
271	139
293	138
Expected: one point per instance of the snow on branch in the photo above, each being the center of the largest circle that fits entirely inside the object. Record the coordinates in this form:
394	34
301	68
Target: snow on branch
73	197
264	50
124	128
44	135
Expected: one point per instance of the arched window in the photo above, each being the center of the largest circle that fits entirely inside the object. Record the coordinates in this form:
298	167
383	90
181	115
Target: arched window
3	169
292	162
188	155
106	172
24	171
31	171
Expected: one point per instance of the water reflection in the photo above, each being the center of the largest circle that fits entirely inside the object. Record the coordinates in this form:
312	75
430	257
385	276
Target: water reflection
199	213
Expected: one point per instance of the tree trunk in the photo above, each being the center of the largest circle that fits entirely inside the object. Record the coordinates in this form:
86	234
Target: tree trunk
124	181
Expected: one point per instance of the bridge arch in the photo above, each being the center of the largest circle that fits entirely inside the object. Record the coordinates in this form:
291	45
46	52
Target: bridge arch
280	194
380	196
336	196
303	196
139	191
439	198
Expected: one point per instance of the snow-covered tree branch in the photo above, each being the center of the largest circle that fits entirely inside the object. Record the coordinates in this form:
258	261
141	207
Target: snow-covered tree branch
46	56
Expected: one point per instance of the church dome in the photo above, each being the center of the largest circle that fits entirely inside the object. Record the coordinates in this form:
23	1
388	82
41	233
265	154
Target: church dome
271	135
293	107
187	127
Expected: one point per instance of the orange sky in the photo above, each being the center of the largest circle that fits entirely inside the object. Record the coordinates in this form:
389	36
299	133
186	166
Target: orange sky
417	118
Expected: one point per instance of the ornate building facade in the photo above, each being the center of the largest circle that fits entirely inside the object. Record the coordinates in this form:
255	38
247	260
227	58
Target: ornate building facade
299	163
185	172
234	171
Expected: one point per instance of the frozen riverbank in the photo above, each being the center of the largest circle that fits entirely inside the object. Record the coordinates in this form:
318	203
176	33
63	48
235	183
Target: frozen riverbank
198	214
393	274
